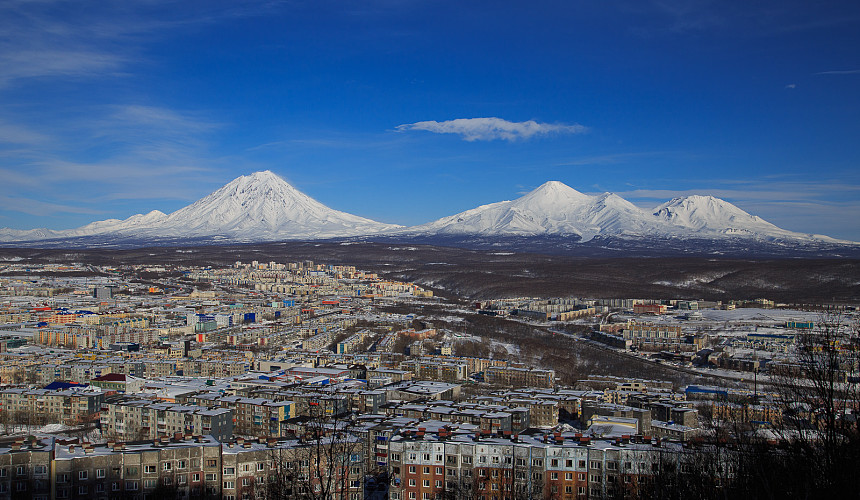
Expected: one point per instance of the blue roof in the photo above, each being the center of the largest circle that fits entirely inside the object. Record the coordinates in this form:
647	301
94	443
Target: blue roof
55	386
706	390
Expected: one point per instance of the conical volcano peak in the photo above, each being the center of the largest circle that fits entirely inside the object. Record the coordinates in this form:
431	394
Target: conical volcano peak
709	213
554	192
262	175
262	205
548	185
551	187
265	183
264	178
699	201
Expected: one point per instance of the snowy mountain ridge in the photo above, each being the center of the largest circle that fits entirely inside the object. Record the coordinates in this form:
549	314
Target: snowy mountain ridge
264	207
557	209
256	207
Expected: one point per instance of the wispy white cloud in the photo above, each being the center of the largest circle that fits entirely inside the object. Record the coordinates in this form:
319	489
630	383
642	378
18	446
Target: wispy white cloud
488	129
786	192
56	62
614	158
60	39
77	155
146	152
840	72
791	86
14	133
149	130
40	208
331	140
119	172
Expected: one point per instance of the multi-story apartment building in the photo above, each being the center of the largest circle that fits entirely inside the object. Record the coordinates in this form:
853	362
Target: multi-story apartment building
543	413
437	462
318	341
181	466
519	377
77	336
25	469
347	345
213	367
654	337
435	369
71	405
642	416
258	417
364	401
126	418
649	308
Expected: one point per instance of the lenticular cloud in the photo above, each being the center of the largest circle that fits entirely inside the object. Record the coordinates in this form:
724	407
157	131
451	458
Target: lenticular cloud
488	129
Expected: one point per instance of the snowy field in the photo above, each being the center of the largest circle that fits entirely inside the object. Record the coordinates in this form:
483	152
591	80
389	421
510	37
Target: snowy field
763	315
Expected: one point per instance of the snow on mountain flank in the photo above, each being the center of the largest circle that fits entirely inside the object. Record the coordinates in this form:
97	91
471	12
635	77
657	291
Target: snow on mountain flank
257	207
556	209
553	208
264	207
712	216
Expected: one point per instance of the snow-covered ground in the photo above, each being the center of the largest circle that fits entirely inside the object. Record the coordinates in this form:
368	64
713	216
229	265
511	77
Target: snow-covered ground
749	316
512	349
92	435
763	315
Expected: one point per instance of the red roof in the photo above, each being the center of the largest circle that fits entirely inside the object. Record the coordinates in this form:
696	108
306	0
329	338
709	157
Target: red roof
111	377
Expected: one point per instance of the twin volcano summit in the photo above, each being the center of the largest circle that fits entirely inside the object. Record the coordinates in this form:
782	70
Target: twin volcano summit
263	207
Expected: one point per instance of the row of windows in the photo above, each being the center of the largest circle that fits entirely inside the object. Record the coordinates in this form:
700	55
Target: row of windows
21	470
411	495
537	462
229	471
425	470
425	483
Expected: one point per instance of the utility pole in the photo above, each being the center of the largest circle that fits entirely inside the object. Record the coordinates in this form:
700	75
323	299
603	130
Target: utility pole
755	384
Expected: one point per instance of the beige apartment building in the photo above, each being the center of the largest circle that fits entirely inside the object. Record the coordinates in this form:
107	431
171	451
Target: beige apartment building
126	418
519	377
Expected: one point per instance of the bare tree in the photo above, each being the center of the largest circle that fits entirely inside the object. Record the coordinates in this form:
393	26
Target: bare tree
819	402
809	447
325	462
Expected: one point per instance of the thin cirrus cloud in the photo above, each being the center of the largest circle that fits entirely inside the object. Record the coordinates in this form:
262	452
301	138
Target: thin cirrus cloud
40	208
489	129
840	72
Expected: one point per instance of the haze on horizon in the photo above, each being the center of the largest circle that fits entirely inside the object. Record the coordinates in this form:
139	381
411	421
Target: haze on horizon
405	112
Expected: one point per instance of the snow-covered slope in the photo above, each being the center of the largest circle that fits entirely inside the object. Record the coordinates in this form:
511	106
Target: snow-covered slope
553	208
256	207
264	207
709	216
8	234
543	210
556	209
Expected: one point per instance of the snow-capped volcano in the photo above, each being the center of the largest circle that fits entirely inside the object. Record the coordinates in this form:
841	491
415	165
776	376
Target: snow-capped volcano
557	209
706	213
543	210
709	215
553	208
256	207
263	206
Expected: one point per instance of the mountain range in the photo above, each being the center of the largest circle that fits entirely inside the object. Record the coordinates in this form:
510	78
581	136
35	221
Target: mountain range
264	207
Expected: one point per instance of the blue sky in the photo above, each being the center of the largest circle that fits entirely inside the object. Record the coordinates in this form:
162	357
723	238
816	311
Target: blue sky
407	111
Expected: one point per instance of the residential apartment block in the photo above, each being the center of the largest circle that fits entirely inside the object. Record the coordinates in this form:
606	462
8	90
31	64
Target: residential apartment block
519	377
126	418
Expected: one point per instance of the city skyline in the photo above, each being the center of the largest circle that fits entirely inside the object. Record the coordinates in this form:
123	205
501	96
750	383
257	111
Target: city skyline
405	112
